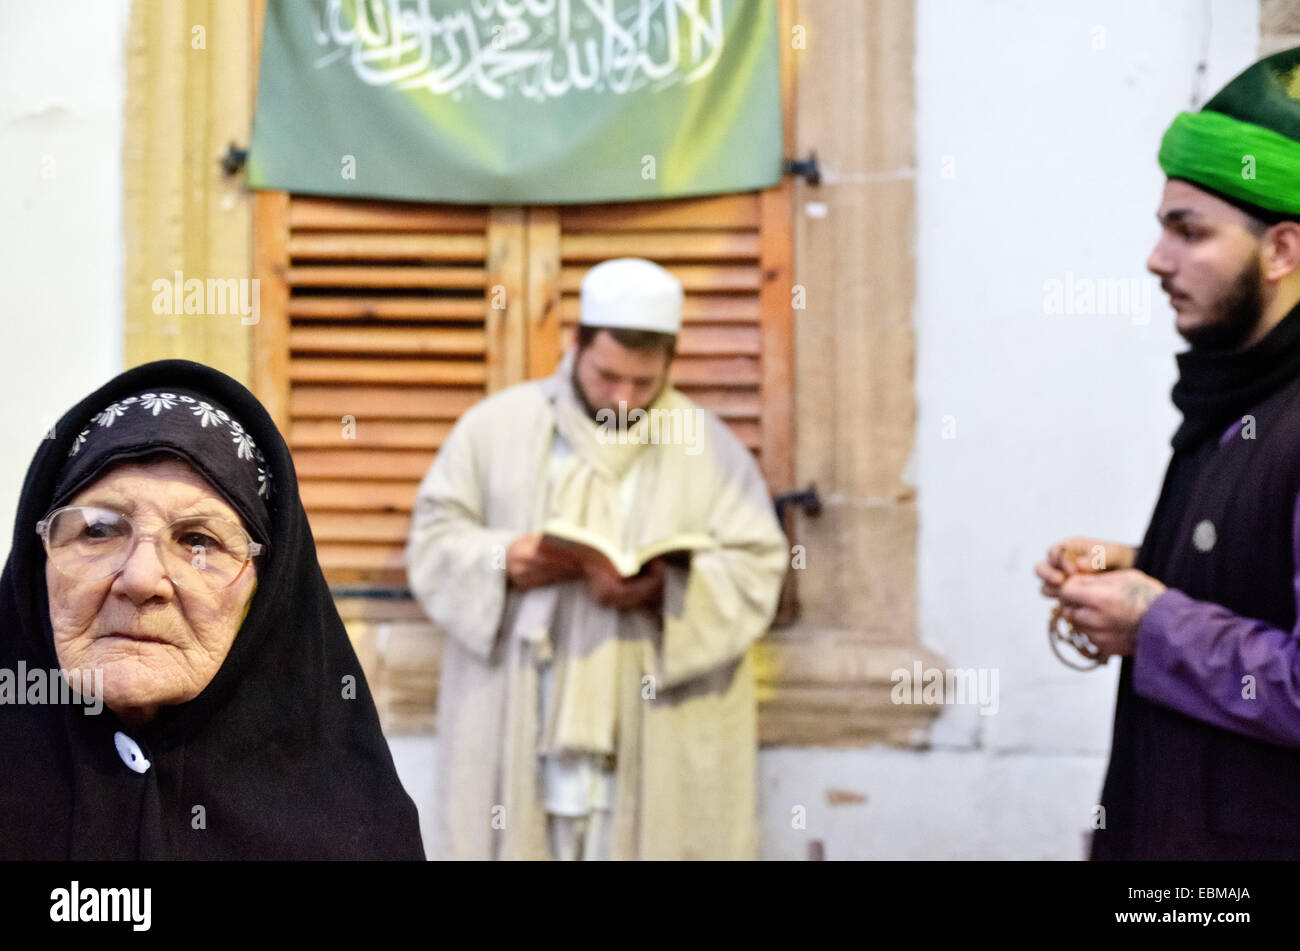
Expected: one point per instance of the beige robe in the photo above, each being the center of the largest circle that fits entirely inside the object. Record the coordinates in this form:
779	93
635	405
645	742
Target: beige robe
681	696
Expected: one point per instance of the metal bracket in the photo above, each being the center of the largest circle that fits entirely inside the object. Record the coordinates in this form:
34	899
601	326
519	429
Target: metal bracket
807	501
810	503
807	169
234	159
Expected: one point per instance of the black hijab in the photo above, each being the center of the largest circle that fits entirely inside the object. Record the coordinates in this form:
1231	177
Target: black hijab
178	422
280	757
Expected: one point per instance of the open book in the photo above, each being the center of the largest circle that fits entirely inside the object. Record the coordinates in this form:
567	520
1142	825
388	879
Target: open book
584	544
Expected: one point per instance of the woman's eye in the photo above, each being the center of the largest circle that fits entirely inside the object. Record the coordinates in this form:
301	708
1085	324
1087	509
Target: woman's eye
101	531
194	539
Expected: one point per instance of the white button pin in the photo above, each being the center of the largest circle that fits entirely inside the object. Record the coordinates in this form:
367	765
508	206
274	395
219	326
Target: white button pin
130	752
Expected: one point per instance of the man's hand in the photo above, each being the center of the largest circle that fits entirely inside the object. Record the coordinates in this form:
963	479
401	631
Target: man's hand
612	590
1081	556
1109	607
530	563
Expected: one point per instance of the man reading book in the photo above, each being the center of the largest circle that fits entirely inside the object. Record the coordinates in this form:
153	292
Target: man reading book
601	552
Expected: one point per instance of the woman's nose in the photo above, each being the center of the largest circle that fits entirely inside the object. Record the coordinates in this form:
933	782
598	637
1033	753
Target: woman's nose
143	576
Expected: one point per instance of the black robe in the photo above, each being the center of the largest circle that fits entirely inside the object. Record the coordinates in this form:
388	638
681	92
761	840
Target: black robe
1178	787
277	758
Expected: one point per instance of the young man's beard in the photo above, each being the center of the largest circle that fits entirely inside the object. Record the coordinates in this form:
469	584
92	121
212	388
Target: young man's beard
1236	314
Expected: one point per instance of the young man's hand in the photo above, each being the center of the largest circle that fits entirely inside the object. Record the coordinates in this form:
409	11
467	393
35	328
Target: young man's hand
1109	607
1081	556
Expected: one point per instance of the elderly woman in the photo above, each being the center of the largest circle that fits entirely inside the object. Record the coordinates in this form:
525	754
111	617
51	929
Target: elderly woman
162	568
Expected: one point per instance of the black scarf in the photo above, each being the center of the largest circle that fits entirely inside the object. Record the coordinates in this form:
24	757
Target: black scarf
281	756
1216	387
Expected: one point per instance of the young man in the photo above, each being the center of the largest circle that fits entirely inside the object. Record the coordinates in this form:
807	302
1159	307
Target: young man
583	714
1205	760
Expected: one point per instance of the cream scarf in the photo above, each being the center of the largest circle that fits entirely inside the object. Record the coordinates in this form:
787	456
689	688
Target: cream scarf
586	648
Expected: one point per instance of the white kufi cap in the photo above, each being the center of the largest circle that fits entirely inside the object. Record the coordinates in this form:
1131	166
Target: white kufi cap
632	293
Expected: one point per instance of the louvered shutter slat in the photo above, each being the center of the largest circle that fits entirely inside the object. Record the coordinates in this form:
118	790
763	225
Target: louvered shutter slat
384	337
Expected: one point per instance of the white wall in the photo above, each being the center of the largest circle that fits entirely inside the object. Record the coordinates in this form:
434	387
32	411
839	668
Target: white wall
62	83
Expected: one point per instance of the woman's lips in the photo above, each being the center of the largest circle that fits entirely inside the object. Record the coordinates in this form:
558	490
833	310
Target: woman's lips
125	635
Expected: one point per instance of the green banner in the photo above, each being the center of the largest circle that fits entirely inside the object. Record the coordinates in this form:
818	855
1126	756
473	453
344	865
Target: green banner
518	101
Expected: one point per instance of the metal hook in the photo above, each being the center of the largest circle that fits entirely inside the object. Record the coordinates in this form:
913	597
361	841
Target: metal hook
807	169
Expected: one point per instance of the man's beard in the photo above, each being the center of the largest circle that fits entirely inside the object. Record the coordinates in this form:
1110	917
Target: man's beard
1235	316
594	412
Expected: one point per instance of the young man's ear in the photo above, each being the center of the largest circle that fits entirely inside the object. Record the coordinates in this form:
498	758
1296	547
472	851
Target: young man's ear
1282	250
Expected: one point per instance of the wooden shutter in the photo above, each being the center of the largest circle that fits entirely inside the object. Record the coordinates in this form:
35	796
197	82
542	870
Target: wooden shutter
383	321
379	329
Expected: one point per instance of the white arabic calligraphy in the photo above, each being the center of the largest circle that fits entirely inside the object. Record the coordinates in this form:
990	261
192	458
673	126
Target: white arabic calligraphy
539	49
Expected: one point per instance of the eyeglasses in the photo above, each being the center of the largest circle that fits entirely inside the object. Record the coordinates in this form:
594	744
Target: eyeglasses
198	553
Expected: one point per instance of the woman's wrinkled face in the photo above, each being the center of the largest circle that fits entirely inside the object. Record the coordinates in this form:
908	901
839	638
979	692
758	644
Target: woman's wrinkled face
157	644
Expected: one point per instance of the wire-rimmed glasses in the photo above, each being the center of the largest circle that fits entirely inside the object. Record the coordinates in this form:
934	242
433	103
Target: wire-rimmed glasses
197	552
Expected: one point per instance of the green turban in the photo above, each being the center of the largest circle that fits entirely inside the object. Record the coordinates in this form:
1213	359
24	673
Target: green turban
1245	144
